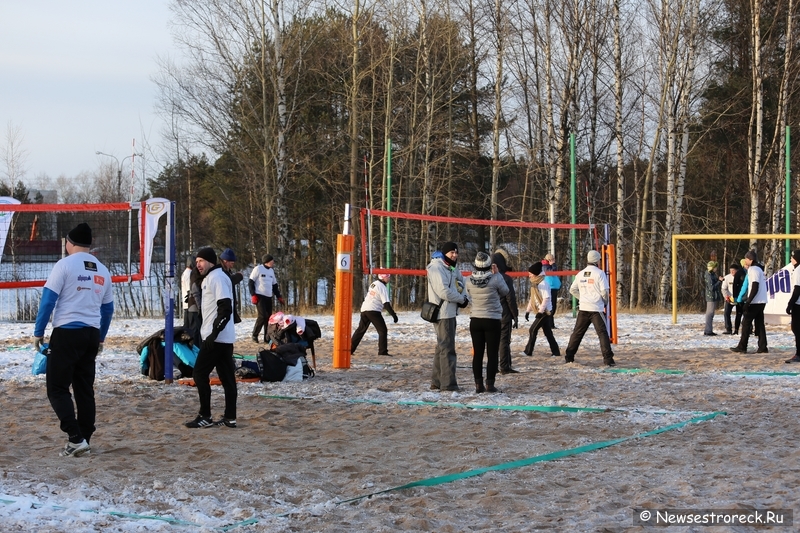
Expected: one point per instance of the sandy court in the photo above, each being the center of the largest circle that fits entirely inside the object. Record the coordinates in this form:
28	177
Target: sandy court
301	449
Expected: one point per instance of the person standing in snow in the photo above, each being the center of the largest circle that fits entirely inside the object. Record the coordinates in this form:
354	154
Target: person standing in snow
263	285
218	335
540	304
486	288
376	300
445	288
78	293
754	304
590	287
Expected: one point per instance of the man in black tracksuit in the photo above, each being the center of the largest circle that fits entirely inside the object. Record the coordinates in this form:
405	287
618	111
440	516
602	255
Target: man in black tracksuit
510	317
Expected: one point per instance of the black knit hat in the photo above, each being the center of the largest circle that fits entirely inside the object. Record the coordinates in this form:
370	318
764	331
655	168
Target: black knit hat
208	254
81	235
266	258
535	268
449	247
796	255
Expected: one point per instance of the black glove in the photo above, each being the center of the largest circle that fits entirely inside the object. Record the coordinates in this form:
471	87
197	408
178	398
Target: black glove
394	317
463	304
526	316
515	325
789	309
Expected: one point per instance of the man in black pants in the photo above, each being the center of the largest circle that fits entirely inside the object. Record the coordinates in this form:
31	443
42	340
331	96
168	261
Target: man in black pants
218	335
78	293
510	318
263	284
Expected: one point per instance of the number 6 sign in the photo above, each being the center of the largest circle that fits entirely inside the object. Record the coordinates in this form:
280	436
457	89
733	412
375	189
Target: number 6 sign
343	262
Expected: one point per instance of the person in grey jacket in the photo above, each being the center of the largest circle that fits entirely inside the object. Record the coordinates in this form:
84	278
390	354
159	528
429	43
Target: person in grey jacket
445	288
485	287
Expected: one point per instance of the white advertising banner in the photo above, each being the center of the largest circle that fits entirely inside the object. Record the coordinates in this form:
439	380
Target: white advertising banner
5	221
154	210
779	289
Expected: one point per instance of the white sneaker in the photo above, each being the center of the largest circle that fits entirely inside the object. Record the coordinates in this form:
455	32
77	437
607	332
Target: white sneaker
76	450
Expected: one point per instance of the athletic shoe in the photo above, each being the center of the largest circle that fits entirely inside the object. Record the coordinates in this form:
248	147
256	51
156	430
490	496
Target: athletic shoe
200	422
227	422
509	371
385	354
765	350
795	359
568	359
255	339
609	362
738	350
76	450
712	334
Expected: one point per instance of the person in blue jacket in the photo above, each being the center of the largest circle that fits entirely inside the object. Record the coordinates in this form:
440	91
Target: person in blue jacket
78	294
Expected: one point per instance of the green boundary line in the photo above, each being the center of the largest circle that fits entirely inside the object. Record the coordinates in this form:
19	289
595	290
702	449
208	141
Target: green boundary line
681	372
430	482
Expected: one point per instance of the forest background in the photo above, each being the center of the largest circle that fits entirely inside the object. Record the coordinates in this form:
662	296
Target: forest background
282	112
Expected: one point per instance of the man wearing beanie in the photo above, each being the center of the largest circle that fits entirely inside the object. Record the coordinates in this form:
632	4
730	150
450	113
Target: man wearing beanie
445	288
78	293
754	304
540	304
590	287
228	260
510	319
217	334
713	295
263	284
793	308
731	285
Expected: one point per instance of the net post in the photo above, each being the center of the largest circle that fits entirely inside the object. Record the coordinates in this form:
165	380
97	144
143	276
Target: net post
169	293
342	318
610	259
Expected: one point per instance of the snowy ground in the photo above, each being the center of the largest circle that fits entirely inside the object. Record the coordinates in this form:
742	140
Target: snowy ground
34	503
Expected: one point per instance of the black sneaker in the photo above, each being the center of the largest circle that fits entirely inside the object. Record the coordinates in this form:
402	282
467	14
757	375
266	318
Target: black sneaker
200	422
738	350
385	354
255	339
609	362
765	350
795	359
227	422
509	371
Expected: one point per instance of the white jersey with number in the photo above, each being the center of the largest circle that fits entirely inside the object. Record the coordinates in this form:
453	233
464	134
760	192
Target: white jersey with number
591	288
376	297
264	279
83	284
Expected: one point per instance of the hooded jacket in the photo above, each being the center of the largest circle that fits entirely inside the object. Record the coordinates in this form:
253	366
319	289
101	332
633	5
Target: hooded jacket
445	284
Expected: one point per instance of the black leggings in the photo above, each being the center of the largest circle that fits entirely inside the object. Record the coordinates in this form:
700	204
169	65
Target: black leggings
485	333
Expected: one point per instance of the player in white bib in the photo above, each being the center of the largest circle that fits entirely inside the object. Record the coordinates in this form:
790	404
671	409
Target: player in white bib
375	302
78	294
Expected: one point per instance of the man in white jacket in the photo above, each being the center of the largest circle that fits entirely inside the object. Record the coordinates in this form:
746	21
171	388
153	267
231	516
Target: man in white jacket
591	288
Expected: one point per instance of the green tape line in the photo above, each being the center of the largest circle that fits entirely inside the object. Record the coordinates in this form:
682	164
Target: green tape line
763	373
544	408
245	357
282	397
430	482
679	372
643	370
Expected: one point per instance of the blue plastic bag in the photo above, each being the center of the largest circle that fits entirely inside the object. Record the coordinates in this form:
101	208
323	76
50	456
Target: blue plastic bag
40	361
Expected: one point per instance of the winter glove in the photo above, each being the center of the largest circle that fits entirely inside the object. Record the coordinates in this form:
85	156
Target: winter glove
515	325
526	316
254	299
789	309
394	317
280	299
37	343
463	304
99	348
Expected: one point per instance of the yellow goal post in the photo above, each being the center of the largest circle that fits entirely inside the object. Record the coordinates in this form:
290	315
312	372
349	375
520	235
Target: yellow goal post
713	237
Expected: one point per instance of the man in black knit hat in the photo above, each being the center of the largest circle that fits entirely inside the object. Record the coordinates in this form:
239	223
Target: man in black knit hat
78	294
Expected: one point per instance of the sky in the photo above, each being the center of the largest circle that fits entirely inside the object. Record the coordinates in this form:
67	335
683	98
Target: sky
75	78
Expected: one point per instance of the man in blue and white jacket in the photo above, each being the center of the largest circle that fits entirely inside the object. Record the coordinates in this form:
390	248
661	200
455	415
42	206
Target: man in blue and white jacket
78	294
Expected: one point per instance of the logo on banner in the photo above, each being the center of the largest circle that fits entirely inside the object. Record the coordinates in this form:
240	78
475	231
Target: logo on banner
156	208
